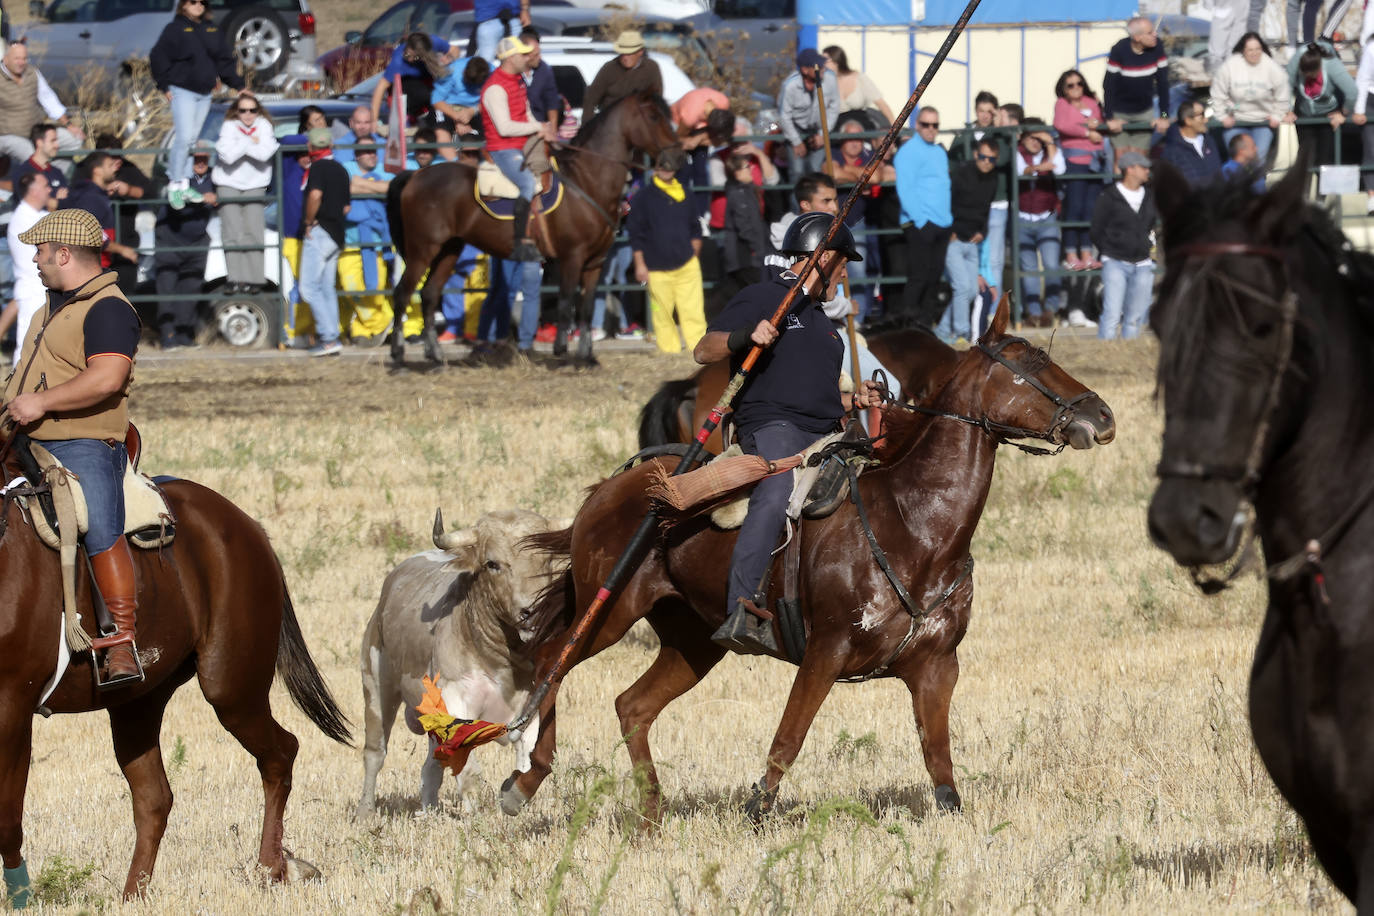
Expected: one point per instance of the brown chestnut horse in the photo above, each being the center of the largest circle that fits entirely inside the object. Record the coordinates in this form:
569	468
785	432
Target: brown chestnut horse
1265	320
213	606
920	361
432	214
923	505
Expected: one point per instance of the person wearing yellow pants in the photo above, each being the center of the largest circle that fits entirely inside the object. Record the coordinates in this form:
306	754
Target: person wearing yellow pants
665	236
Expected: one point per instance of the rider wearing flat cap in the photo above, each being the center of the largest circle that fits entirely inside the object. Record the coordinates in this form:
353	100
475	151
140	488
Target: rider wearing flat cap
791	399
70	392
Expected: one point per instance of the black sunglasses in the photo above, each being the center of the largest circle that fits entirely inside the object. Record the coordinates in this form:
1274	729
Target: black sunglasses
928	124
982	158
253	110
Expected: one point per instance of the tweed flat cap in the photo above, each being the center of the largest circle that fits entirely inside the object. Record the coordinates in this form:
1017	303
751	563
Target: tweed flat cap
78	228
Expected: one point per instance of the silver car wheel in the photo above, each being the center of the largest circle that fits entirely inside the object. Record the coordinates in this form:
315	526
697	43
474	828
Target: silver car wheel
259	44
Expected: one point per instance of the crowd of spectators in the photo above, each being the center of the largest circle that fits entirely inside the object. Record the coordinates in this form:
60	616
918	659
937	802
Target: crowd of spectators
704	221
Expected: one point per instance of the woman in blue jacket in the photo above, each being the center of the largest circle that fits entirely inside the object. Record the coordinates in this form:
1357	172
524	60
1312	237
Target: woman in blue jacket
189	62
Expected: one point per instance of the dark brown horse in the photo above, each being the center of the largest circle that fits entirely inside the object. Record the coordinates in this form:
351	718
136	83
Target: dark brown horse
920	361
1266	327
923	506
432	214
213	606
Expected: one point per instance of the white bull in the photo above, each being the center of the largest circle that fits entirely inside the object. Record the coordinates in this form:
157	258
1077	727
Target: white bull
453	613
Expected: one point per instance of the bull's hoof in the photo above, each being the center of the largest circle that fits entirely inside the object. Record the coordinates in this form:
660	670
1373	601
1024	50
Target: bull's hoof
513	801
298	870
947	800
761	803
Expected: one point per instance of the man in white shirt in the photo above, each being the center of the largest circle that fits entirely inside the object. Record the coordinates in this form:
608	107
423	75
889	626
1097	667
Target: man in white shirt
31	192
25	100
1123	230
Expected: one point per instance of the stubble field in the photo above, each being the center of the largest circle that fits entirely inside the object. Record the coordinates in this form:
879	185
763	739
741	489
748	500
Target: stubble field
1099	726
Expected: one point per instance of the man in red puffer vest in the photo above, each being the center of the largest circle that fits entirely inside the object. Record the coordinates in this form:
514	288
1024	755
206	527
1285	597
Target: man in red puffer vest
510	129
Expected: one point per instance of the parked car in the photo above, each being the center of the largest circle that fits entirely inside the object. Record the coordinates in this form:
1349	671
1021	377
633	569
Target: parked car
761	35
365	53
274	40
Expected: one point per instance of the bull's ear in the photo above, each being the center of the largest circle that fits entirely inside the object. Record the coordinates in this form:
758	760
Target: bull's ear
1172	193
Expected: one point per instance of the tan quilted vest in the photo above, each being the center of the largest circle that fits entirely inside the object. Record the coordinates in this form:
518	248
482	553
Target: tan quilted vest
19	108
55	352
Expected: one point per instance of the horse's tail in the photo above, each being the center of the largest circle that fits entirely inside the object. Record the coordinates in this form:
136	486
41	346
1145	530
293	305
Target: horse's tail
553	608
658	421
304	681
393	210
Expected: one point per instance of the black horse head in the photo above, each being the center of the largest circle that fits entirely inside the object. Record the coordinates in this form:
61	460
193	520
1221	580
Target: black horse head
1255	316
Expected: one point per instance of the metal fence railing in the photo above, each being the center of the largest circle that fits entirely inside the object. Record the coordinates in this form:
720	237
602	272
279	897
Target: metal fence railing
278	304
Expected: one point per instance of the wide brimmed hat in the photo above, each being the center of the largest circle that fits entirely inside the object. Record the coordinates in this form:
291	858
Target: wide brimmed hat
74	227
512	44
628	42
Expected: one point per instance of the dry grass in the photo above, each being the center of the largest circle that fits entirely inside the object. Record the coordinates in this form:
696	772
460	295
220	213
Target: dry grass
1099	728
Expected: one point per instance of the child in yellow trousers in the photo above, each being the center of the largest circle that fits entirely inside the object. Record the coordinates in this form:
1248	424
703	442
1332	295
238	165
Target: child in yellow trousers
665	236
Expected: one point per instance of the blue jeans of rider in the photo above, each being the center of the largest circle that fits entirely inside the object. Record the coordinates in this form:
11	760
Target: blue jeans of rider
511	162
758	536
100	468
1126	292
1039	241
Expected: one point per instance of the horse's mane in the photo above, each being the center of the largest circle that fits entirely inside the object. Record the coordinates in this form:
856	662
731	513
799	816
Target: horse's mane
592	125
1188	331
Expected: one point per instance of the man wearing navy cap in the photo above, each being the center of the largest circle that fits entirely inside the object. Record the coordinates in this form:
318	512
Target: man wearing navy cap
799	111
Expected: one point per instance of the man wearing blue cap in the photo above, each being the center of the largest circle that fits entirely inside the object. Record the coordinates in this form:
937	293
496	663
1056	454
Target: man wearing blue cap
799	111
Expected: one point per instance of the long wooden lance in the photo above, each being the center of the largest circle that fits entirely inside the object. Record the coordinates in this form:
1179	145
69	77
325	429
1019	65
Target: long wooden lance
479	732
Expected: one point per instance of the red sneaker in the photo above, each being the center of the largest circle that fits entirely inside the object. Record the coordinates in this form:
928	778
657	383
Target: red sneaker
448	337
546	334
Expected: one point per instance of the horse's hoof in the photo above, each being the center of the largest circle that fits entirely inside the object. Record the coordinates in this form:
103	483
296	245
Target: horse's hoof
760	803
947	800
513	801
398	355
298	870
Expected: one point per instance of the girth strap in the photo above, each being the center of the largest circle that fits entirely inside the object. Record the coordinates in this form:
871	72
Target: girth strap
917	613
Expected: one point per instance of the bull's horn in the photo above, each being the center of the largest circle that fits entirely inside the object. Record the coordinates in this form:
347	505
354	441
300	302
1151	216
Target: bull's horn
451	540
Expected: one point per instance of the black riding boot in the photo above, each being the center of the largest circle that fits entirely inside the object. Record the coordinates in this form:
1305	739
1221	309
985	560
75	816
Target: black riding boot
524	249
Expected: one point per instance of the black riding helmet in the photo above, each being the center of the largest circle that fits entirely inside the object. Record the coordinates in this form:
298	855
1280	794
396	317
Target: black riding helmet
808	231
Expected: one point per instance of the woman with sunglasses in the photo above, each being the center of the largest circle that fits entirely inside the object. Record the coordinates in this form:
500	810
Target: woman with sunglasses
1082	134
242	173
189	62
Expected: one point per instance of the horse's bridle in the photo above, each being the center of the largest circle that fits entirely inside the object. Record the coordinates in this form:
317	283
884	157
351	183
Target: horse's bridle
1246	477
1004	434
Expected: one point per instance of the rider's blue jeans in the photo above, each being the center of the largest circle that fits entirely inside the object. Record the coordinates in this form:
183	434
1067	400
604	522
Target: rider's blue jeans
99	467
511	162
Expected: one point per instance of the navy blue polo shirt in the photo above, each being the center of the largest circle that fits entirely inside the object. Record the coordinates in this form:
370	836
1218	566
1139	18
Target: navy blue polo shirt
797	378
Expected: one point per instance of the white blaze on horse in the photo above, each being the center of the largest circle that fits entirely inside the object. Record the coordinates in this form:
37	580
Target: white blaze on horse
453	614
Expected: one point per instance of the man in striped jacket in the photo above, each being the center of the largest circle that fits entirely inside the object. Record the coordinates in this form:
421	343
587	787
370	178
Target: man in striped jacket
1136	87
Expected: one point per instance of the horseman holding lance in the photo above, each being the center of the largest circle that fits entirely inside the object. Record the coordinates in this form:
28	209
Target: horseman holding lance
513	133
71	393
791	400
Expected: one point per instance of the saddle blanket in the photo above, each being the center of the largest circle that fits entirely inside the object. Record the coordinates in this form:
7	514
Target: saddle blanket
731	514
148	520
496	194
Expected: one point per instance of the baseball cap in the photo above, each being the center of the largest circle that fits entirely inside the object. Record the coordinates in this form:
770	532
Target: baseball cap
75	227
810	57
203	147
511	44
628	42
1132	157
320	138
